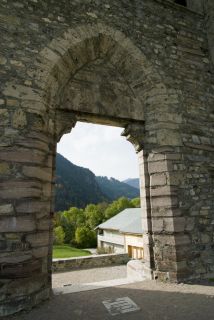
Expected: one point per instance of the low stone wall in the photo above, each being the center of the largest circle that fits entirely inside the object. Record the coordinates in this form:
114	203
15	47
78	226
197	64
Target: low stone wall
94	261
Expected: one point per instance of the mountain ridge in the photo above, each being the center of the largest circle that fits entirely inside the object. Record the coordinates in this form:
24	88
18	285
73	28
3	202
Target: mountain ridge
77	186
133	182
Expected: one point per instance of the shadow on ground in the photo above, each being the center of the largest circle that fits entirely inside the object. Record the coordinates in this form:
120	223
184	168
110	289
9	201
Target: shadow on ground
156	301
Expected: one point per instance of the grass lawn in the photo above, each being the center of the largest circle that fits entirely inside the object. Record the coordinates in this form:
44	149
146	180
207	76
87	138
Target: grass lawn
66	251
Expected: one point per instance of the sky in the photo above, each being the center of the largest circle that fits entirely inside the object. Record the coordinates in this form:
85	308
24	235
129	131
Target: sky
101	149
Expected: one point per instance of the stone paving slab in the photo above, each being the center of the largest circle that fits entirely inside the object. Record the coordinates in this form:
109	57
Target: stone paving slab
155	301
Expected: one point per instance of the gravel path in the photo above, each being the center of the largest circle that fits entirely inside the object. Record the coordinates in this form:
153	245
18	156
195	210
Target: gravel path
88	276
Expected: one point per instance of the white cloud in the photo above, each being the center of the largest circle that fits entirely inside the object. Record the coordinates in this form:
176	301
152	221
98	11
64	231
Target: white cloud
101	149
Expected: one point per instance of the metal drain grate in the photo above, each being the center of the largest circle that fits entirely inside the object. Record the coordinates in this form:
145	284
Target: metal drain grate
120	305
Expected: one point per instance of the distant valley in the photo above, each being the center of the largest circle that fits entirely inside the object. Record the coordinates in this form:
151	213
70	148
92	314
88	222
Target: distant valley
77	186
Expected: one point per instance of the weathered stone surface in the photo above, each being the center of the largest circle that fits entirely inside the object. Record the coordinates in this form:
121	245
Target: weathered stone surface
32	206
4	116
17	190
25	286
158	179
160	166
23	155
19	270
39	239
39	173
17	224
6	209
92	65
40	252
19	119
174	224
89	262
44	224
4	168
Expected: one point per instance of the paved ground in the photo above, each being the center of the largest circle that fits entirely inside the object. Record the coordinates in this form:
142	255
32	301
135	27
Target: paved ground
156	301
88	276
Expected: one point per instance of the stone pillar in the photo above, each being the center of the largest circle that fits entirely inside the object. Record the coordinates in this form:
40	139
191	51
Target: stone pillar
25	219
135	133
27	164
165	243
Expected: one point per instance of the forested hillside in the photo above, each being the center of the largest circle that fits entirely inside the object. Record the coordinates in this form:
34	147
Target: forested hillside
114	189
77	186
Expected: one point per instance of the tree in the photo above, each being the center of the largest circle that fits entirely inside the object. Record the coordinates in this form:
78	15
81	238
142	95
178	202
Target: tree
59	235
117	206
94	214
136	202
70	220
85	237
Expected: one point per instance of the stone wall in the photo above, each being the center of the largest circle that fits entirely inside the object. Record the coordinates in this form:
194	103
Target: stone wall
142	65
102	260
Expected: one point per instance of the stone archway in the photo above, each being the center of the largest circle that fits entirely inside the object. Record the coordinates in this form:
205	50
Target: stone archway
138	101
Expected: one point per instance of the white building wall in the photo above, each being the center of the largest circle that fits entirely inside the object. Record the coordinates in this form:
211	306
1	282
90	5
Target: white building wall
113	239
134	241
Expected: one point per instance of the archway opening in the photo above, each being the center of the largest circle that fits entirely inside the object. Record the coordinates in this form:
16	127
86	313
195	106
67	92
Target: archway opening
101	77
86	204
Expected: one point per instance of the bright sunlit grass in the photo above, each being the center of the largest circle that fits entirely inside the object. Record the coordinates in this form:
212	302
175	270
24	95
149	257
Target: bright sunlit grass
66	251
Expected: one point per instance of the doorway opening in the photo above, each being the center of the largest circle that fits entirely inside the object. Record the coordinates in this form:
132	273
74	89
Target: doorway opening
96	183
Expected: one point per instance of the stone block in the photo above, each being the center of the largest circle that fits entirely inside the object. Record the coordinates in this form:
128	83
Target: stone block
15	258
6	209
44	174
160	166
47	190
40	252
19	119
44	224
22	287
157	225
165	212
156	157
169	137
171	240
4	168
39	239
163	191
22	92
205	238
164	202
4	117
176	224
19	189
158	179
32	206
21	270
166	266
23	155
176	178
190	223
17	224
